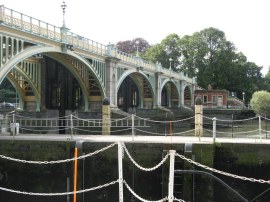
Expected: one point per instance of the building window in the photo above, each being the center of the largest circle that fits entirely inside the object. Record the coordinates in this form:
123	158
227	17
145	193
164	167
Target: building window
205	99
214	99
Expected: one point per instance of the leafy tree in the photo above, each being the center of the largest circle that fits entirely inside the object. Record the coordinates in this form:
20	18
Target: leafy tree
208	56
192	54
211	58
266	81
164	51
156	54
260	102
7	92
130	46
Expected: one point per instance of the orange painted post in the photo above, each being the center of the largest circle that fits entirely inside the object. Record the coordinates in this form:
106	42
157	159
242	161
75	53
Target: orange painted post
75	174
171	131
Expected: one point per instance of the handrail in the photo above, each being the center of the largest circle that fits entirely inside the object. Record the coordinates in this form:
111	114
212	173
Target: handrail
32	25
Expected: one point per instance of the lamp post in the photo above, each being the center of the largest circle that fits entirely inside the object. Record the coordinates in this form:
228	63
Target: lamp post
137	46
64	6
170	59
243	99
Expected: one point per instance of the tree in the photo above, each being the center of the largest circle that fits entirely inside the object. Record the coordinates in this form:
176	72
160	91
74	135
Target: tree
162	52
7	92
260	102
266	81
131	46
211	58
214	60
208	56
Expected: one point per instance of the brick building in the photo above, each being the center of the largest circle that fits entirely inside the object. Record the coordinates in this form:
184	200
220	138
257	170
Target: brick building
217	99
212	99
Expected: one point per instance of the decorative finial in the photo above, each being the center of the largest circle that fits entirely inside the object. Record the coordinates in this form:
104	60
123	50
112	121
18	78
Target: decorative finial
64	6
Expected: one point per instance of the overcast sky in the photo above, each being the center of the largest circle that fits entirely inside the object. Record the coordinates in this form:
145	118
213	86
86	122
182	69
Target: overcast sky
245	22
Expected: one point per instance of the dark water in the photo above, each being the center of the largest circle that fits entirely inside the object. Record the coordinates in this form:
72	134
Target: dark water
245	160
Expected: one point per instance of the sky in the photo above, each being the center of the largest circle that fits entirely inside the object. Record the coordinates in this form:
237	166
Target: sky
244	22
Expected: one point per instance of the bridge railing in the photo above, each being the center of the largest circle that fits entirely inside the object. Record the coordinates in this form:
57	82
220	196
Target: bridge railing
66	124
62	34
86	44
32	25
29	24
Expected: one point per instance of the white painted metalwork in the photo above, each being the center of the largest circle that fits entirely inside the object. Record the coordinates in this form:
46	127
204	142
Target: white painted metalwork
214	129
120	172
171	176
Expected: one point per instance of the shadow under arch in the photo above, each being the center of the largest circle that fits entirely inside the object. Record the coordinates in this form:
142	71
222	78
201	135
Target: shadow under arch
140	85
174	89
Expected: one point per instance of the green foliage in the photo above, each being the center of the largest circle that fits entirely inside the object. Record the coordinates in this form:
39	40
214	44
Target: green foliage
168	48
7	92
210	57
260	102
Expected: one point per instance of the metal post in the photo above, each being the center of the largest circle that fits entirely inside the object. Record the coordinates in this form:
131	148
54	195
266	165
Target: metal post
120	172
193	184
260	127
132	123
13	127
83	174
71	126
214	129
171	131
75	175
232	125
68	188
265	127
171	176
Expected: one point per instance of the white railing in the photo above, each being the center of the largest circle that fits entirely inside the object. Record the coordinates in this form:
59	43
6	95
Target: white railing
32	25
250	128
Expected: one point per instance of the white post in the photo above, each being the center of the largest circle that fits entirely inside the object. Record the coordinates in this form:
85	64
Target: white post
171	176
120	172
71	126
132	120
260	128
214	129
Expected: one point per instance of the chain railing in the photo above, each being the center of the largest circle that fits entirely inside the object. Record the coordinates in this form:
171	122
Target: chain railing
120	181
248	128
261	181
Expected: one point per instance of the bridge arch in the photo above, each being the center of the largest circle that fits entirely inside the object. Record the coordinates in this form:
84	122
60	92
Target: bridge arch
144	87
169	93
12	62
20	91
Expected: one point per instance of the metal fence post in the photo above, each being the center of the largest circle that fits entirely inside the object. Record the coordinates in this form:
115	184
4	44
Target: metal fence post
120	172
214	129
171	176
71	126
132	125
260	127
